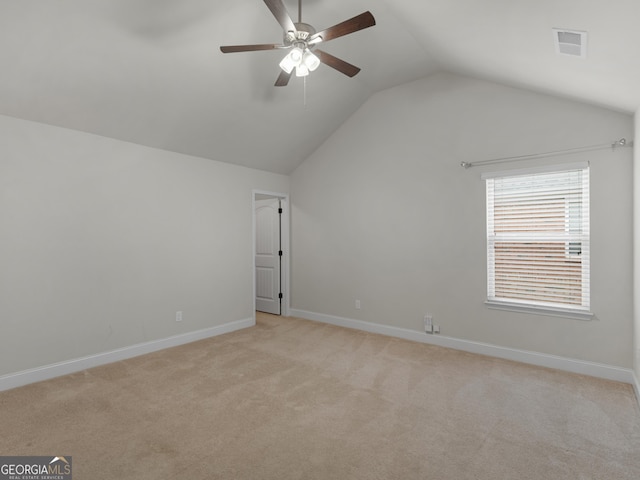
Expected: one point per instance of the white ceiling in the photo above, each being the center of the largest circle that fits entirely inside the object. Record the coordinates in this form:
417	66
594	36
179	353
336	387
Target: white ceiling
150	72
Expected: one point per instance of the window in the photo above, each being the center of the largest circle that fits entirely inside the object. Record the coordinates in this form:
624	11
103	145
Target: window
538	240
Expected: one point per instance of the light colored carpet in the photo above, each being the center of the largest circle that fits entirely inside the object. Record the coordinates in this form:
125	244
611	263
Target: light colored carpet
293	399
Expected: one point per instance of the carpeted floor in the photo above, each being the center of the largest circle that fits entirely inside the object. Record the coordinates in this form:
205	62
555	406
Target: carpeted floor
293	399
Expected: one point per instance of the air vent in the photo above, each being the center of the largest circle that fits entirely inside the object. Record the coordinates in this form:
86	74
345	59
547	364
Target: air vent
570	42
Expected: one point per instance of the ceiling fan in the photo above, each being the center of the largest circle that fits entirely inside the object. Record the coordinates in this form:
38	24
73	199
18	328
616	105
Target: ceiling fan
302	40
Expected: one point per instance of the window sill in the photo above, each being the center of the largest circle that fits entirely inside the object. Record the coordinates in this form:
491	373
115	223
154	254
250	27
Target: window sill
540	310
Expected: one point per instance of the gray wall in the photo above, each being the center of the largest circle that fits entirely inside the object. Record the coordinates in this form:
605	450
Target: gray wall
636	254
383	213
103	241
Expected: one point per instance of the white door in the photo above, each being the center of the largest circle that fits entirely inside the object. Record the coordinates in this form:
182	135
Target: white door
268	256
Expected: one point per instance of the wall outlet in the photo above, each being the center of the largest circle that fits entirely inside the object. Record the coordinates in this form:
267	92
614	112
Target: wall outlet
428	323
178	316
357	304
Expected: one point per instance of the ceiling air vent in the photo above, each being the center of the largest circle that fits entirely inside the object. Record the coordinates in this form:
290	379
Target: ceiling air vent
570	42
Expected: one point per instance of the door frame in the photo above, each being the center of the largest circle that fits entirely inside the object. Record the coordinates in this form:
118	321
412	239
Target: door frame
285	286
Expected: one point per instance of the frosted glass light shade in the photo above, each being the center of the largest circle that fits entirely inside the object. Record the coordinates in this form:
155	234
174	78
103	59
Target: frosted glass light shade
302	70
291	60
310	60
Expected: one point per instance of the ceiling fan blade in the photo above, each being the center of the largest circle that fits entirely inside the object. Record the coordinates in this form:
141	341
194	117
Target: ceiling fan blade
359	22
282	16
283	78
249	48
335	62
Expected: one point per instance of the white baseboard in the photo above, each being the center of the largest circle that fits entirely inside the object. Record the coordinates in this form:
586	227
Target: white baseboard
47	372
533	358
636	387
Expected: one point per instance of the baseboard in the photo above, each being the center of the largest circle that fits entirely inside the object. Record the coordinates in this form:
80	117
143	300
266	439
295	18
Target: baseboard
636	387
533	358
47	372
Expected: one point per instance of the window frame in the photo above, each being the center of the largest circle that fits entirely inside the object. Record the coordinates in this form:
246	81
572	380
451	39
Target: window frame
581	312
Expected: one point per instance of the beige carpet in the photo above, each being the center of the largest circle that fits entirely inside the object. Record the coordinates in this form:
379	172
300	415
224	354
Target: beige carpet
292	399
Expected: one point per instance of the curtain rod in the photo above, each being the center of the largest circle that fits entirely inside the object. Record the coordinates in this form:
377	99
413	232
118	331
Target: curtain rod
618	143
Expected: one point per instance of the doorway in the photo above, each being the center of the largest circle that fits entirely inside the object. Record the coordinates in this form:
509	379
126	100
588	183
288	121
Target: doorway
270	252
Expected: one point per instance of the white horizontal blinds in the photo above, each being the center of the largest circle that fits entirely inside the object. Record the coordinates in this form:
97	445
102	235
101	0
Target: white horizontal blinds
538	238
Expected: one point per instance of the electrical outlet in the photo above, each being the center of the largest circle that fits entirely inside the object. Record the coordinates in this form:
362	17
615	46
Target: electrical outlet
357	304
178	316
428	323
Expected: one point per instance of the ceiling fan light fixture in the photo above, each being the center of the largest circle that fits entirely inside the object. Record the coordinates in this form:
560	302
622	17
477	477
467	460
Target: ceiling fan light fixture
302	70
296	55
287	65
291	60
302	60
310	61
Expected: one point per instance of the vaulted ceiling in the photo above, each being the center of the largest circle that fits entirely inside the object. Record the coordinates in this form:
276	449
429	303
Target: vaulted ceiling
150	71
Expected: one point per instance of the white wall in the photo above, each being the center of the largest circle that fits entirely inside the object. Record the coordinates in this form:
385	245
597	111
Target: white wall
636	253
383	213
103	241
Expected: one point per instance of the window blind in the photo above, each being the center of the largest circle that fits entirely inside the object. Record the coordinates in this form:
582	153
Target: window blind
538	239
